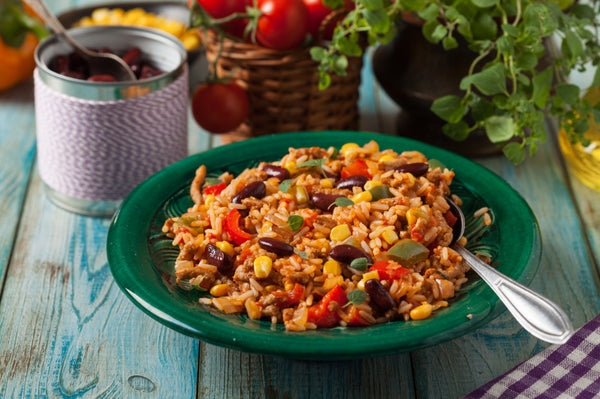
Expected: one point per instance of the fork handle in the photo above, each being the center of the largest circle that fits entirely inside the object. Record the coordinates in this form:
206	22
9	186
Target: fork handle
537	314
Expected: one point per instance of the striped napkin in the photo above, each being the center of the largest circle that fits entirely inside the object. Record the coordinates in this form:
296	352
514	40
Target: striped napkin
571	370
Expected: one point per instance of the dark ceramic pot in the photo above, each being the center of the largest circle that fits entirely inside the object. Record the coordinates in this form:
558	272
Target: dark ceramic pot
415	72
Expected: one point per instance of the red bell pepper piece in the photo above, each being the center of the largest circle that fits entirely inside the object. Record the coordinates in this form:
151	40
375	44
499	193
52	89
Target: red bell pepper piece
324	313
289	298
388	271
355	318
232	225
450	218
215	189
359	167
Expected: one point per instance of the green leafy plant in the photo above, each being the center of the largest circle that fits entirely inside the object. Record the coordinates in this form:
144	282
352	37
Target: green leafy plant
525	51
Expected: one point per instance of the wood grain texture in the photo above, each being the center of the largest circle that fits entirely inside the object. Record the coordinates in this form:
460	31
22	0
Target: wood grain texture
75	334
17	152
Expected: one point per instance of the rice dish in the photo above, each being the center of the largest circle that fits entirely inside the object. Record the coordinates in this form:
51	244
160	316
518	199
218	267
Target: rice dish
323	237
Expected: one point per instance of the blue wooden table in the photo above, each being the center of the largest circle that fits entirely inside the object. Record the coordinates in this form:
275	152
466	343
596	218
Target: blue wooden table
66	330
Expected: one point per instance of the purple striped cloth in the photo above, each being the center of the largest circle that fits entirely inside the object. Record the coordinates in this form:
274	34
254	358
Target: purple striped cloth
571	370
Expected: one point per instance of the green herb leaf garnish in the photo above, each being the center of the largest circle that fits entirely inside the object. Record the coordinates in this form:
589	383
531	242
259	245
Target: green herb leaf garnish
342	201
302	254
360	264
211	181
312	162
295	222
356	297
284	186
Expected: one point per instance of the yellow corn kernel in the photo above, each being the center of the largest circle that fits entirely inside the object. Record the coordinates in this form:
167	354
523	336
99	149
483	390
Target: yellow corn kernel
226	247
289	285
262	266
331	282
421	312
332	267
100	14
190	40
208	200
219	290
386	158
348	149
390	236
372	275
252	309
326	183
299	193
372	184
340	232
365	196
175	28
290	167
271	288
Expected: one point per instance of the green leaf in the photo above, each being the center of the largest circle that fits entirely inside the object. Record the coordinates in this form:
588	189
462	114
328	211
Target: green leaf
318	53
569	93
372	4
342	201
211	181
295	222
378	20
415	5
324	80
514	152
506	45
449	43
571	45
284	186
484	27
357	297
428	29
360	264
526	61
481	109
490	81
542	83
583	11
456	131
510	30
499	128
439	33
432	11
347	47
312	162
302	254
333	4
596	81
448	107
434	163
484	3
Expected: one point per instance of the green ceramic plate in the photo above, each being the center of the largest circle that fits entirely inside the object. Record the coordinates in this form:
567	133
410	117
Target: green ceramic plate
141	258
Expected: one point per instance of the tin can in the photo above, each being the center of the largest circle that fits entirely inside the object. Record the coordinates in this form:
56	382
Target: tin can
96	141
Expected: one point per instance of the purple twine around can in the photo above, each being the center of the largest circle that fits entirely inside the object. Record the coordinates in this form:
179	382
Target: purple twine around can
101	150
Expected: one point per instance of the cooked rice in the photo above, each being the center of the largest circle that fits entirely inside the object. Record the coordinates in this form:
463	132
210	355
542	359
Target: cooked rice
293	288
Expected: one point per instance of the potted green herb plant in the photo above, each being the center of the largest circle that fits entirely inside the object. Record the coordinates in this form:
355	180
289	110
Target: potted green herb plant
523	52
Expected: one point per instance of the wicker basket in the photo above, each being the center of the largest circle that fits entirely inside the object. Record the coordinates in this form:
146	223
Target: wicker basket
283	89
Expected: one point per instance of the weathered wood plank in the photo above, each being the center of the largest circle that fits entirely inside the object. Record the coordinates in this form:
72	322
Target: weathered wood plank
75	334
17	152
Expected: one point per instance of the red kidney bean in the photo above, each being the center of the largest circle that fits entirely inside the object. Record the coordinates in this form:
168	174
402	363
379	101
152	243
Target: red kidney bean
416	169
102	78
279	248
379	294
277	172
325	201
255	189
352	181
148	71
347	253
218	258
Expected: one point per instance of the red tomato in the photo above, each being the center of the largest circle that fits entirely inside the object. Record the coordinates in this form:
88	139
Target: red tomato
322	314
318	12
388	271
283	24
224	8
220	107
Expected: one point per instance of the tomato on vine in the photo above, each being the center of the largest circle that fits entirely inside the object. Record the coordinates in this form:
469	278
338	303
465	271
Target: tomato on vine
282	24
220	107
219	9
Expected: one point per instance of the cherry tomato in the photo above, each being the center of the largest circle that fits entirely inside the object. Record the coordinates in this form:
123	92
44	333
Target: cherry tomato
317	12
223	8
283	24
220	107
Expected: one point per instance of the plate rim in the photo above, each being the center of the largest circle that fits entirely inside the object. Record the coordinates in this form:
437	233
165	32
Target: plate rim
279	343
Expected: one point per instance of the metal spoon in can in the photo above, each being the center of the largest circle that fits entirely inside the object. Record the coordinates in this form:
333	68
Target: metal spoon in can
537	314
99	63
